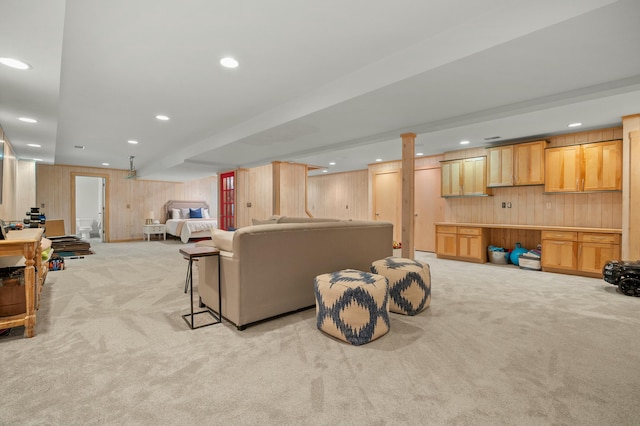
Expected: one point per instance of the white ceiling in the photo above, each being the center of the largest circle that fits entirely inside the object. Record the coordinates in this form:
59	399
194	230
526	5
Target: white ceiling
318	81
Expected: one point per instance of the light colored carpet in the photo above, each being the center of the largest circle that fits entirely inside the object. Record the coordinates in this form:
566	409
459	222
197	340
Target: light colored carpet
497	346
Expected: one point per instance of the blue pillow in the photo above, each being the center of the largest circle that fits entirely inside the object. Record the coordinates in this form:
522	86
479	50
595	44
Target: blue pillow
195	213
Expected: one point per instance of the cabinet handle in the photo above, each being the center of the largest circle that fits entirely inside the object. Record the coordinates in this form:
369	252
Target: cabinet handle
577	184
583	184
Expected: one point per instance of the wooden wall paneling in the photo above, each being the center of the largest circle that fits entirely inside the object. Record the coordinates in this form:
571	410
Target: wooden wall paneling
261	188
293	189
25	194
8	207
634	196
330	194
242	193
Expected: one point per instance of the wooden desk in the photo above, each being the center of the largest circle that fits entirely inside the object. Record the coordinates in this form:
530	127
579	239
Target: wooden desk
26	243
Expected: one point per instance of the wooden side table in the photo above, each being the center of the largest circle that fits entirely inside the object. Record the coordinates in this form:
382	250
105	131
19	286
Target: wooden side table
191	254
156	229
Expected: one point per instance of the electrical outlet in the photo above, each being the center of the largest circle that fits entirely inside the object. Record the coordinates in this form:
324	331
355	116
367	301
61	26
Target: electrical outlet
508	204
504	204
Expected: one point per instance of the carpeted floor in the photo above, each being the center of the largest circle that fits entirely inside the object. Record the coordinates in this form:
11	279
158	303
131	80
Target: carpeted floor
498	346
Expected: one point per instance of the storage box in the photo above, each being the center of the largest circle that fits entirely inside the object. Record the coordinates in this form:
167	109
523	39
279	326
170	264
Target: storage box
528	261
12	296
499	257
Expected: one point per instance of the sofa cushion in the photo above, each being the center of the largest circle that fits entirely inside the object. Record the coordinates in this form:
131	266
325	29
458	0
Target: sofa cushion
293	219
222	239
264	221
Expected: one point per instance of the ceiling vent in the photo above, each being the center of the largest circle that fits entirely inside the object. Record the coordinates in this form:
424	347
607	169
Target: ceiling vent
132	170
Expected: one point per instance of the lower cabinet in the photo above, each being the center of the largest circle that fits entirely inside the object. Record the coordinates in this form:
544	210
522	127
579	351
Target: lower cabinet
568	252
559	250
446	241
462	242
581	253
594	250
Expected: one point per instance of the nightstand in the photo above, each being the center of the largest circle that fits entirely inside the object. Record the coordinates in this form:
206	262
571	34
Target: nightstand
156	229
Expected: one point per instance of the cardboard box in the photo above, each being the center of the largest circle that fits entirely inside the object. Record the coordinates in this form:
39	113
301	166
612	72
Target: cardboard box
54	228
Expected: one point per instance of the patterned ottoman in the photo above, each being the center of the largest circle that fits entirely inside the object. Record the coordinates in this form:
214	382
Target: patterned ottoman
352	305
409	284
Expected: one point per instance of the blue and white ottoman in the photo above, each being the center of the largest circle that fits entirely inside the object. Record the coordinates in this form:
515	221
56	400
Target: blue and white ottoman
409	284
352	305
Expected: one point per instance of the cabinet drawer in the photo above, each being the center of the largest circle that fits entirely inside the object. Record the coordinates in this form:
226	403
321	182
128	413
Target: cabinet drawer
446	229
559	235
469	231
598	238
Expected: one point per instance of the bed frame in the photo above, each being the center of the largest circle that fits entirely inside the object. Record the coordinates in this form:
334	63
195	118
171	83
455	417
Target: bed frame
181	204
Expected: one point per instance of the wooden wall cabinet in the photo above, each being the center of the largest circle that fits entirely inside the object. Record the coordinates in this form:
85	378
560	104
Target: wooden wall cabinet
516	165
465	177
584	168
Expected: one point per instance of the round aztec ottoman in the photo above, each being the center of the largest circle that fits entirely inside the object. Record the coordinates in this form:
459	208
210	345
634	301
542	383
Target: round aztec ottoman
409	284
352	305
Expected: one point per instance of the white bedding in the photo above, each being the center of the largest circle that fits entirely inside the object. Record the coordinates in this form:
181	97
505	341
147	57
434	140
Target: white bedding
192	228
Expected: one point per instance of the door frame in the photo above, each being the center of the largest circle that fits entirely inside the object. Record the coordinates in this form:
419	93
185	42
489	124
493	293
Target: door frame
105	216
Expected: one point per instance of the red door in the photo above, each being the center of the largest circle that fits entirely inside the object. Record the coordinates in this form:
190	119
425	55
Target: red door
227	201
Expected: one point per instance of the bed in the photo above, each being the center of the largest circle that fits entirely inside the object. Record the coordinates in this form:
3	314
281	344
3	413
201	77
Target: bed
180	224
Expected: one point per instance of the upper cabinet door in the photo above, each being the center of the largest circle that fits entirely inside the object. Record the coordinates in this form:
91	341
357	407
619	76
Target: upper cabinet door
562	171
602	166
451	172
500	166
474	172
529	163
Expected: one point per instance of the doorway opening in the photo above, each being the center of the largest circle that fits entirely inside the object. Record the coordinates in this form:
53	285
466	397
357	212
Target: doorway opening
89	219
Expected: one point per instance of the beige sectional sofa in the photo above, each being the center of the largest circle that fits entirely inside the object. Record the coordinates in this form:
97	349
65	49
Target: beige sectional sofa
269	270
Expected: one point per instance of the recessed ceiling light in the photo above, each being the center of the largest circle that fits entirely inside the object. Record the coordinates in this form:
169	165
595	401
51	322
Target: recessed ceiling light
575	125
325	171
378	159
35	145
332	163
419	154
132	142
105	164
14	63
162	117
38	159
464	142
229	62
79	146
27	120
